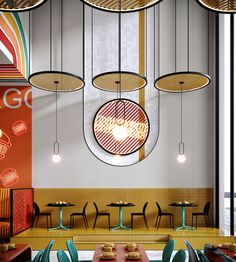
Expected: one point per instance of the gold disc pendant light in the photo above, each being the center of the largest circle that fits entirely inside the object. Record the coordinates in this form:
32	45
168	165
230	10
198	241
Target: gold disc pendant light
45	80
125	6
190	80
20	5
221	6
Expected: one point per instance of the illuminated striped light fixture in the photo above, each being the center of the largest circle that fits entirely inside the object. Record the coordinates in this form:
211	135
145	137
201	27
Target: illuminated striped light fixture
20	5
121	6
221	6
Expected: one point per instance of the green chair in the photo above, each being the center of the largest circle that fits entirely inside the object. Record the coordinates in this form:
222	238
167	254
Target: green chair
73	252
46	253
201	256
167	252
180	256
62	256
37	258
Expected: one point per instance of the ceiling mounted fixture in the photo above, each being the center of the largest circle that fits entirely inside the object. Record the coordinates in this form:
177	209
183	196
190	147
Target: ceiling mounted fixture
19	5
192	80
121	6
221	6
45	80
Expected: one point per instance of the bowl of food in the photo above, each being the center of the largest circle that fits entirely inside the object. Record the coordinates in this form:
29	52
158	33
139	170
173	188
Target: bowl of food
131	246
109	244
107	255
133	256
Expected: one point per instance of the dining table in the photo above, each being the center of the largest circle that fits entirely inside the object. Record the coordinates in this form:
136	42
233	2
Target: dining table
60	206
120	205
21	252
120	253
183	205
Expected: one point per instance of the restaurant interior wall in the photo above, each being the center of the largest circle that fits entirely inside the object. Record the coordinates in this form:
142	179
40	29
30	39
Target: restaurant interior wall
79	168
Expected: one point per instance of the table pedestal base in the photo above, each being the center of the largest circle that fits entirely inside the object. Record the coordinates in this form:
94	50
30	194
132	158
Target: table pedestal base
60	222
120	225
183	226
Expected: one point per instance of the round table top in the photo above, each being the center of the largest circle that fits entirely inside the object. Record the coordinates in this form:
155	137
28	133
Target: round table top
121	204
179	204
60	205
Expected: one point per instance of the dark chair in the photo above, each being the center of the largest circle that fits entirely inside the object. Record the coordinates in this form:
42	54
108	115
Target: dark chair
46	253
180	256
201	256
205	213
143	214
167	252
62	256
101	214
38	214
82	214
37	258
160	214
73	252
191	252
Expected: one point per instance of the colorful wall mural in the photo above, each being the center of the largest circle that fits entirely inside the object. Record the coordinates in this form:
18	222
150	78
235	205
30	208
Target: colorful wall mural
15	105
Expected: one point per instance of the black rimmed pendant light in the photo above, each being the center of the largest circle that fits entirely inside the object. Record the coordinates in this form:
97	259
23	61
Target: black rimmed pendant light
121	6
20	5
191	80
221	6
45	80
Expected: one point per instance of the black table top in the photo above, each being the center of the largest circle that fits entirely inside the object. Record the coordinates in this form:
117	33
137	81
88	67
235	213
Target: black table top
60	205
121	204
183	204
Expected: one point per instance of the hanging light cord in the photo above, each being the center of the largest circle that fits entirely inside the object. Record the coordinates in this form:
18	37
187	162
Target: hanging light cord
146	43
56	110
188	35
119	51
92	21
50	35
61	35
175	36
56	144
29	43
181	113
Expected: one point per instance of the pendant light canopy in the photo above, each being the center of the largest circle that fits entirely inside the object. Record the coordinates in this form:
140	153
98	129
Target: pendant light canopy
191	80
221	6
19	5
45	80
121	5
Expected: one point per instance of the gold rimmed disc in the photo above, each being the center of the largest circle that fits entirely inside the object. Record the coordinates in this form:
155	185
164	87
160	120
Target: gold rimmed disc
47	80
19	5
221	6
119	81
190	80
121	5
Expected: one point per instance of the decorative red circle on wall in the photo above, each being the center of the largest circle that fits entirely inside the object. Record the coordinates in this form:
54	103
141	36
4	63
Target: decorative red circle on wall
121	127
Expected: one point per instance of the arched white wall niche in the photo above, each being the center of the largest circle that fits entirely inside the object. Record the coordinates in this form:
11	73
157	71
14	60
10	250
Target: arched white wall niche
101	36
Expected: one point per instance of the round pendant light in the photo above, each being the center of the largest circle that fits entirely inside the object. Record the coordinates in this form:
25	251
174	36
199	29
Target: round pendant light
19	6
45	80
121	127
121	6
130	81
221	6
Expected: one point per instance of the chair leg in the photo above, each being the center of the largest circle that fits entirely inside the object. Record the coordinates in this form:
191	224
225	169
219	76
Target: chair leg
145	221
156	221
71	226
173	223
206	221
192	220
85	222
37	221
50	220
95	221
170	221
132	221
159	222
109	222
196	222
211	225
47	221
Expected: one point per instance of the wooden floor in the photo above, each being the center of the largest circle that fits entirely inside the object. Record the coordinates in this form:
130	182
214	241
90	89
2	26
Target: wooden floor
152	239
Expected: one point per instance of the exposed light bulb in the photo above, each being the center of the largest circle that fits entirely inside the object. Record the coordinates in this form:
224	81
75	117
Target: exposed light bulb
120	132
181	158
56	158
0	132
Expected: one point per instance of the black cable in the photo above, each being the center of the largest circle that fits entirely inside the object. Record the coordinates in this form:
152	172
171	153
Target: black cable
92	21
146	42
29	43
175	15
119	48
50	35
188	33
61	35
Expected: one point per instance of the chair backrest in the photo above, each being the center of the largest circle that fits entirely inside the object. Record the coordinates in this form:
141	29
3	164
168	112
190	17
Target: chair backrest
37	258
36	209
201	256
207	208
72	250
180	256
62	256
46	253
84	209
145	207
168	250
191	252
96	207
159	208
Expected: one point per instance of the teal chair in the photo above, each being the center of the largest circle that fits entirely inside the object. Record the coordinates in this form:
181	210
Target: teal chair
180	256
201	256
46	253
37	258
167	252
62	256
73	252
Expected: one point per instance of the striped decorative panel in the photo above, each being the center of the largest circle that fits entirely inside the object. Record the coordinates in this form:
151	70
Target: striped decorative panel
227	6
4	203
14	5
127	114
4	230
